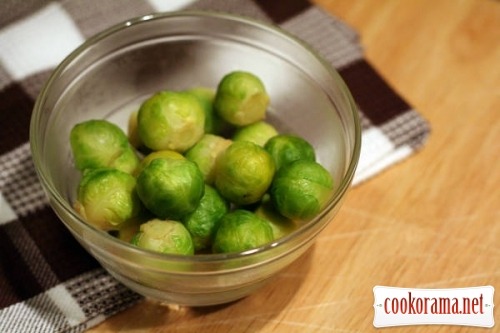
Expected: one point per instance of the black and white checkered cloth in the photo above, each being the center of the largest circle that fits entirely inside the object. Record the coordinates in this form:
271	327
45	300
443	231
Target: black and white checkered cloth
48	283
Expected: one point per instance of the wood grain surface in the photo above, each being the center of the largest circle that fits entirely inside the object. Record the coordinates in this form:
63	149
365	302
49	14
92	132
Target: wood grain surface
432	221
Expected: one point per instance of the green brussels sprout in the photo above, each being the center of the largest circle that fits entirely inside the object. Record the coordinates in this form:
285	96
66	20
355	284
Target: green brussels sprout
258	133
205	153
301	189
204	221
280	224
164	236
99	144
128	161
286	148
170	188
214	124
132	131
157	154
241	230
170	120
127	230
244	172
131	227
107	199
241	98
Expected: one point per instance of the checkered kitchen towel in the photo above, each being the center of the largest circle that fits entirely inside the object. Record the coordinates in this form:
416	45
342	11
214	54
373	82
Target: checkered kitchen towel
48	283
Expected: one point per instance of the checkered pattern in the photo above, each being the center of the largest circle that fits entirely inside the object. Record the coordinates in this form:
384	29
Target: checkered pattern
48	282
19	182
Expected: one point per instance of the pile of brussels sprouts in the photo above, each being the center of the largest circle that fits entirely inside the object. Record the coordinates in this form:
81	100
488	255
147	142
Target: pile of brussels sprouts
198	171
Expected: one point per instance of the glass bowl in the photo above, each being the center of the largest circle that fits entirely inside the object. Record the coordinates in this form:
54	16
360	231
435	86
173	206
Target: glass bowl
113	72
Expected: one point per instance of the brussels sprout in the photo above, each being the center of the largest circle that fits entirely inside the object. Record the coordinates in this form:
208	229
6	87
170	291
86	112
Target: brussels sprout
128	230
131	227
107	199
170	188
214	124
280	224
286	148
258	133
204	221
241	230
100	143
132	131
205	153
127	161
301	189
157	154
244	172
171	120
164	236
241	98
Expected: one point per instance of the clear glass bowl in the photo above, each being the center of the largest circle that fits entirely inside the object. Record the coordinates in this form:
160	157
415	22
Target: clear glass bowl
113	72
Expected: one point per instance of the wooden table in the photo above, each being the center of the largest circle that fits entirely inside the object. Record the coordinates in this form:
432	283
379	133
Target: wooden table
432	221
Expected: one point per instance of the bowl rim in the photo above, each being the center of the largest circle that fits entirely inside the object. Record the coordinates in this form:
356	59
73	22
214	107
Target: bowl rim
53	194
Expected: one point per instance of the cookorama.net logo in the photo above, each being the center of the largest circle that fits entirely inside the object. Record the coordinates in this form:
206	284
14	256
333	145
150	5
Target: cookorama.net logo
454	306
